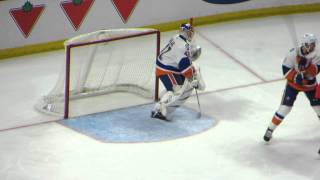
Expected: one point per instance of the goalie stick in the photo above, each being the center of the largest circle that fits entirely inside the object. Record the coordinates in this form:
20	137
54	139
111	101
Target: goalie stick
199	107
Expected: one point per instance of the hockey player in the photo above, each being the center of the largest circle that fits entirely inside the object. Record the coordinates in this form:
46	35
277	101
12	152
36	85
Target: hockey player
177	72
300	68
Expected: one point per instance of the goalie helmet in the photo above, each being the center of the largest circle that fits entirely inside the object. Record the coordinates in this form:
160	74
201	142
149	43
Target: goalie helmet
308	45
186	30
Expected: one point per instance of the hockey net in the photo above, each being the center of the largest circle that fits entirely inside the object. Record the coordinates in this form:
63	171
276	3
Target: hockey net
103	62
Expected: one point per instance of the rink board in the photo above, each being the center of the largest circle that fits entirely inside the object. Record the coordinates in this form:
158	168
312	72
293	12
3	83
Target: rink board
134	124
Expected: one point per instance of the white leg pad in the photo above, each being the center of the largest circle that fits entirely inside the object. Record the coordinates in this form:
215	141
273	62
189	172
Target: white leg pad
171	100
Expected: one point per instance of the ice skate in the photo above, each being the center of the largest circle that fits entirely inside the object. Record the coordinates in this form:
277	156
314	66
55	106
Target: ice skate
158	115
268	135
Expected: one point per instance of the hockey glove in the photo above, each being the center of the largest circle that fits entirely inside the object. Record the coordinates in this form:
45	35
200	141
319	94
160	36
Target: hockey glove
302	63
298	79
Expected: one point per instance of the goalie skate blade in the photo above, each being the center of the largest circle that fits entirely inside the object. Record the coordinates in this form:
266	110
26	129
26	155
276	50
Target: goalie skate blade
162	119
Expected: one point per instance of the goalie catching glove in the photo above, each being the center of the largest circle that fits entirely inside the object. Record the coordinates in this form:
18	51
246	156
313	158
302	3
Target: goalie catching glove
195	52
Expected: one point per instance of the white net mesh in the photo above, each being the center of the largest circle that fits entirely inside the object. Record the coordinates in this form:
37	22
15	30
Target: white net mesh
125	65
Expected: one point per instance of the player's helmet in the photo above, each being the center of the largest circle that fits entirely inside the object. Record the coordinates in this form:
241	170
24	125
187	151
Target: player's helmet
186	30
308	43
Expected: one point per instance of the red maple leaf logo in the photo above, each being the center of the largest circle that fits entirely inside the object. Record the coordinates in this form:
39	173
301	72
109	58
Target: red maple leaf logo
26	17
125	8
76	11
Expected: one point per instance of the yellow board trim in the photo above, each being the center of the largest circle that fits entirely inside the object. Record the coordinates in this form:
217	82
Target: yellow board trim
231	16
30	49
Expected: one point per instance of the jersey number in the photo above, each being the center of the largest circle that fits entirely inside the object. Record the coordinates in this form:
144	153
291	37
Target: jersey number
167	48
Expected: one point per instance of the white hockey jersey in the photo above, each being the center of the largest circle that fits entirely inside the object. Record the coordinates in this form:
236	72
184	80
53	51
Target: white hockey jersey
174	58
291	67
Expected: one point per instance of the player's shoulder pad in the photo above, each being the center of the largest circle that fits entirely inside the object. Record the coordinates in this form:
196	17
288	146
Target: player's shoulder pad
180	43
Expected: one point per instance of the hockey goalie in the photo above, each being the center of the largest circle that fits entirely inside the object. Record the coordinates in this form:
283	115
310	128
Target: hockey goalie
177	71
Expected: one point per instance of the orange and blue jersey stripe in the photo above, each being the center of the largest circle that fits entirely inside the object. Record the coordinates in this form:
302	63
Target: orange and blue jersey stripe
185	68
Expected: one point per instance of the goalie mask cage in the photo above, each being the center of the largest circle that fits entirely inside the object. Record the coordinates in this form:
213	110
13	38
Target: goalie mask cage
102	62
